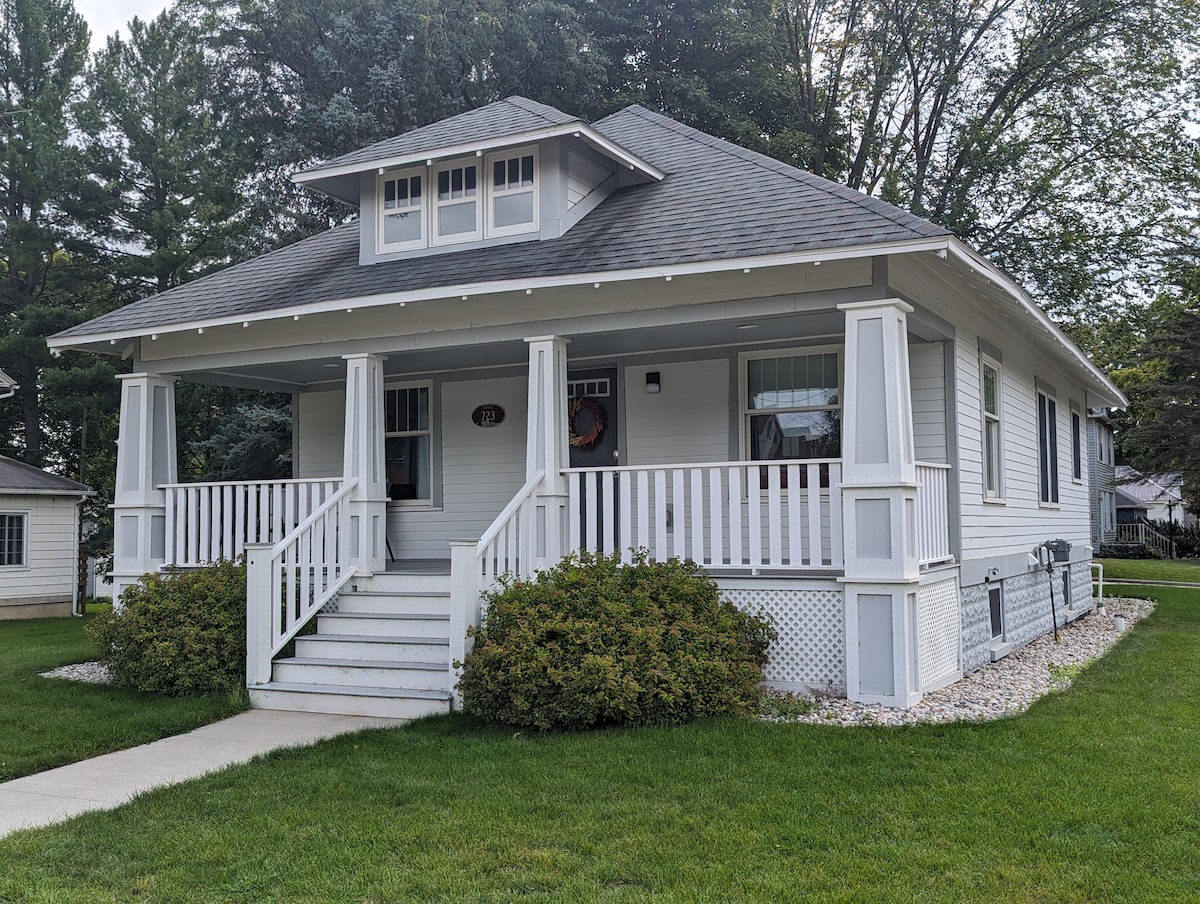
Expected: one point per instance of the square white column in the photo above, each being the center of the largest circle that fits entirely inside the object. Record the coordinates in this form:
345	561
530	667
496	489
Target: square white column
546	439
363	458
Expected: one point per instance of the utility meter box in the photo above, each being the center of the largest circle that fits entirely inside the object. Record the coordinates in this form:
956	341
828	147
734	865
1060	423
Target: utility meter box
1060	550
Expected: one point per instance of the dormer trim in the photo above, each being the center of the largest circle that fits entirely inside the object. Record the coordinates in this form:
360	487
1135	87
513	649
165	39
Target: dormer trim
314	177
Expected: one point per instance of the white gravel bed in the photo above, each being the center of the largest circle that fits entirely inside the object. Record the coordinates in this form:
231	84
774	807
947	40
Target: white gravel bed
1003	688
88	672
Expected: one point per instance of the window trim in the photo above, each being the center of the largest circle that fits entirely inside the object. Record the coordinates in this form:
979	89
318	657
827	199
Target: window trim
26	519
384	247
490	229
988	361
435	205
996	638
1047	412
745	412
431	432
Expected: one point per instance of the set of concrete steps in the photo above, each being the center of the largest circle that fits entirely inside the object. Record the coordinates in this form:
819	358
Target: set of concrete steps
384	652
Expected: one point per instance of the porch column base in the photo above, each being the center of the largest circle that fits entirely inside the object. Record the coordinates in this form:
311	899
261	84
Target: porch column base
881	643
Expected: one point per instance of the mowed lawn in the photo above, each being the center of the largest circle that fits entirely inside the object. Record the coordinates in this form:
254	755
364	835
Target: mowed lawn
49	722
1093	795
1186	571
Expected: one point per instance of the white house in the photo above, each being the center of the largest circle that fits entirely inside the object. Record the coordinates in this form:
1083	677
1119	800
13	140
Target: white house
544	335
39	541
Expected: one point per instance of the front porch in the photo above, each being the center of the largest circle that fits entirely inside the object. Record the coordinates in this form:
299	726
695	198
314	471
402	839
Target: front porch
847	553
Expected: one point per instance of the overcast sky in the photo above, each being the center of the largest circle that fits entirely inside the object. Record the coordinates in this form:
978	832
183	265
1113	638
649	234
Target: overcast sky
106	16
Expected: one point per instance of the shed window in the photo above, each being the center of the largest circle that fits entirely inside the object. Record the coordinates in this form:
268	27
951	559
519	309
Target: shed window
13	531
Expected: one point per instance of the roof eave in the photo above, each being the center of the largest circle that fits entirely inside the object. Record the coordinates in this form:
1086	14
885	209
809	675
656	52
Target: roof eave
579	129
1108	391
115	342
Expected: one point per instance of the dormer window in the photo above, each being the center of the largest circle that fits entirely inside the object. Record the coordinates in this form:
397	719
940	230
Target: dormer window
403	213
456	212
461	200
514	192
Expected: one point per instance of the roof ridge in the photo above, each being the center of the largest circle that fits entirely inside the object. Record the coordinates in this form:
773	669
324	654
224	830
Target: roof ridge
537	108
867	202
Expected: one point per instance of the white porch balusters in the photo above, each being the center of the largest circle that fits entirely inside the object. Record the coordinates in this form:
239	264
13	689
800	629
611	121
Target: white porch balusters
546	445
145	461
364	459
879	507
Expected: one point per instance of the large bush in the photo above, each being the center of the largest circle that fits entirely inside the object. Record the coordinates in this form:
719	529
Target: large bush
593	642
182	632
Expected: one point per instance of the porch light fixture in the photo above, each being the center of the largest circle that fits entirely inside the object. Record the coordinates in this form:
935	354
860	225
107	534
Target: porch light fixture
199	331
529	291
653	383
668	279
245	324
295	317
154	337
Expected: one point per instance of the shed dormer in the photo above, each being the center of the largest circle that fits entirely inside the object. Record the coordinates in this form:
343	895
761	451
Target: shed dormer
513	171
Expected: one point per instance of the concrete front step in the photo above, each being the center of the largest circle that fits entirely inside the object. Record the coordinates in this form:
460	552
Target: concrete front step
424	676
350	701
394	602
395	648
380	624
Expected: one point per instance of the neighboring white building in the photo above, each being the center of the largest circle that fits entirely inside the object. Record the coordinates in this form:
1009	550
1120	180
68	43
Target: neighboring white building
544	335
1156	497
39	541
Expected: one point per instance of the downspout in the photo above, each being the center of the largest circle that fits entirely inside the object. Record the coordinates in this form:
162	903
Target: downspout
78	507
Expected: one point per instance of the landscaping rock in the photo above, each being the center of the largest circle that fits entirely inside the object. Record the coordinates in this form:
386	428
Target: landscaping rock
88	672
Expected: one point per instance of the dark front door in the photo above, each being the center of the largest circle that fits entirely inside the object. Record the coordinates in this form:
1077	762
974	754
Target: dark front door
592	414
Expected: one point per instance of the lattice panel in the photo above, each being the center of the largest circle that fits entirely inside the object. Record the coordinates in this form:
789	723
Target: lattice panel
810	650
938	619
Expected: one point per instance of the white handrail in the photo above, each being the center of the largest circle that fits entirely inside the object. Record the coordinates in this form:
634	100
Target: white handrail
496	526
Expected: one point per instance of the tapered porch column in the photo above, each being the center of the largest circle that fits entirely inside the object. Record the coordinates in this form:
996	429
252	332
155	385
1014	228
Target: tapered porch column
546	443
879	504
364	459
146	459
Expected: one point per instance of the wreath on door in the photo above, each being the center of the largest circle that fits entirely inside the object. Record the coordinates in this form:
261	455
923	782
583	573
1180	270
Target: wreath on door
594	411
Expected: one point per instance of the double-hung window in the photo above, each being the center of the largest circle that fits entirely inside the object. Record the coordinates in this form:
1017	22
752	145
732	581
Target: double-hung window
408	432
513	187
792	405
13	536
1076	444
456	206
993	453
402	215
1047	425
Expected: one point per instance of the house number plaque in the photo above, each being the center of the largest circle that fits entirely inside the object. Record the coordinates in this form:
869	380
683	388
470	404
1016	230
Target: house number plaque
488	416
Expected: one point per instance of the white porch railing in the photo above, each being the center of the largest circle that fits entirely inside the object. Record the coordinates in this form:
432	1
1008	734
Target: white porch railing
737	515
933	513
515	543
206	522
289	583
1143	533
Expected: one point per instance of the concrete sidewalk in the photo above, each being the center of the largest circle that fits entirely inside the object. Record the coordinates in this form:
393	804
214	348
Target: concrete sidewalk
108	781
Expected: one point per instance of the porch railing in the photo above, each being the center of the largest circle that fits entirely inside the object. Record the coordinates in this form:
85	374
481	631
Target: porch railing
292	581
933	513
1143	533
735	515
511	544
210	521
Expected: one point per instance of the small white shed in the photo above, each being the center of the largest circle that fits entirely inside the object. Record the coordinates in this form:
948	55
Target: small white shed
39	541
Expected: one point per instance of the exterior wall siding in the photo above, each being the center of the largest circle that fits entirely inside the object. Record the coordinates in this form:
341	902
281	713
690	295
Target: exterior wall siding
49	574
320	434
927	373
688	421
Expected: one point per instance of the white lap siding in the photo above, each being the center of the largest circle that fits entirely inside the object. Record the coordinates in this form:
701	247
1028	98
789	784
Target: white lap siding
320	434
48	575
688	421
927	374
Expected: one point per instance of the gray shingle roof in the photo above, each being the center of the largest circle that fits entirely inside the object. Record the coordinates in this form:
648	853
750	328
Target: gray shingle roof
718	202
511	116
16	475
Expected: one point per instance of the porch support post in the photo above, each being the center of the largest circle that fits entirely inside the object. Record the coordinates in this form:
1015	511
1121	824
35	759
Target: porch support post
879	504
146	459
546	442
364	459
464	609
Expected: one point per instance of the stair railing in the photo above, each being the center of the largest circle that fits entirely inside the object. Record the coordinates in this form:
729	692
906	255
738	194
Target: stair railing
287	583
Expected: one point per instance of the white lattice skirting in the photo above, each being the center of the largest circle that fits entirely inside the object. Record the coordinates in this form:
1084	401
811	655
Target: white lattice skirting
939	631
809	653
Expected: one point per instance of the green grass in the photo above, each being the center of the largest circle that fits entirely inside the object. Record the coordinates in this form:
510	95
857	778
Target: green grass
1092	795
49	722
1180	570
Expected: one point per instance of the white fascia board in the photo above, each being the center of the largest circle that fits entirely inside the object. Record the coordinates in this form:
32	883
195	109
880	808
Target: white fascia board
579	129
1010	287
513	285
14	491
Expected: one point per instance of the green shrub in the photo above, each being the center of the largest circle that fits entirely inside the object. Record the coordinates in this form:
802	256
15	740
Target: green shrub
592	642
182	632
